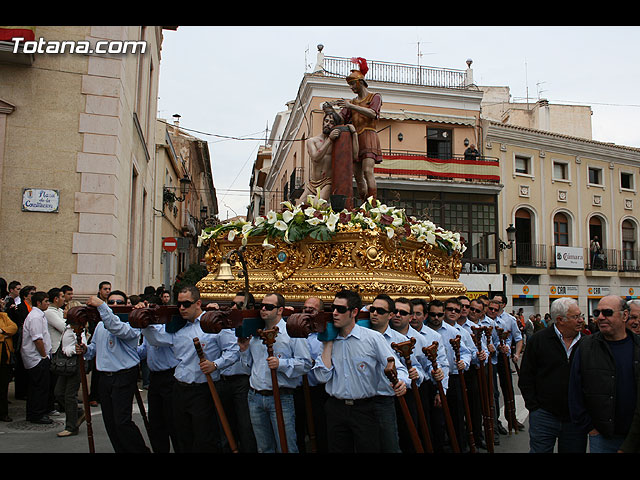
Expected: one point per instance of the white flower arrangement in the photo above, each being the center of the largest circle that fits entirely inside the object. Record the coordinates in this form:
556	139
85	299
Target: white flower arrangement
317	220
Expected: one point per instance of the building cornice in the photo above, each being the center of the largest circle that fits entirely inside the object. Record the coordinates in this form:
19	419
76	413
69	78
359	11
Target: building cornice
559	143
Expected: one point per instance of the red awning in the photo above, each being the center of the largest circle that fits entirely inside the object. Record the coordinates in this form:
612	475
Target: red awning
8	33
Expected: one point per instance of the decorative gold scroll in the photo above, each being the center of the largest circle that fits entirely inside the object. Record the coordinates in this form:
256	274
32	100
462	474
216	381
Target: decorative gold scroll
365	261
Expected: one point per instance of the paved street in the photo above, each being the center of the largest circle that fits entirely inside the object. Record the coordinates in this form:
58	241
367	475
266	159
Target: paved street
21	436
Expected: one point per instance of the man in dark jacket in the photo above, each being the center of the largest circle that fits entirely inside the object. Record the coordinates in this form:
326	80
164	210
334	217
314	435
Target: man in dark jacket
544	381
604	378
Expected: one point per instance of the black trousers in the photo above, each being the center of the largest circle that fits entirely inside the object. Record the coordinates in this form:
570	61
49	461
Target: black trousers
503	371
162	430
404	432
352	428
472	380
20	377
456	408
433	414
38	390
233	391
5	375
117	391
196	418
318	396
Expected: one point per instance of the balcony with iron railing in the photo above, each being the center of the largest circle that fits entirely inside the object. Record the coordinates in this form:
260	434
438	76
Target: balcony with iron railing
529	255
608	260
408	164
398	73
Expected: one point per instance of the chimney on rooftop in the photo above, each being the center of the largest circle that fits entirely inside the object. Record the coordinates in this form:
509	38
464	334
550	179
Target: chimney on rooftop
468	74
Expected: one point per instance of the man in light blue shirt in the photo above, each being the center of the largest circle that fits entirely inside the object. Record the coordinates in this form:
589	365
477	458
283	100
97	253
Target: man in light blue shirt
114	345
506	322
317	393
233	389
161	362
351	366
473	311
401	323
450	330
382	310
196	416
290	360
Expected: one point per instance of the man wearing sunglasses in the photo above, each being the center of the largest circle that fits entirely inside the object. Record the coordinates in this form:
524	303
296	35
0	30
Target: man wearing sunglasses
544	381
471	375
429	394
114	347
495	311
291	359
352	366
196	420
468	354
604	378
317	392
233	390
381	312
401	323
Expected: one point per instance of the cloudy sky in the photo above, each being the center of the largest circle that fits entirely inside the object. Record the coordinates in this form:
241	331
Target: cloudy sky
229	82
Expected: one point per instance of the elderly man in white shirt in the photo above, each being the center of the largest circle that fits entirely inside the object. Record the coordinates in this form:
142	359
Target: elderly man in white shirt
35	351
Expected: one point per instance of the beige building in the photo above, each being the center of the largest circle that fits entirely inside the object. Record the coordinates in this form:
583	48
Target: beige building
539	174
185	201
78	182
560	193
427	118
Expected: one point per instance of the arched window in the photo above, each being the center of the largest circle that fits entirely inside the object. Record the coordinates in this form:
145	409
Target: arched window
628	240
561	230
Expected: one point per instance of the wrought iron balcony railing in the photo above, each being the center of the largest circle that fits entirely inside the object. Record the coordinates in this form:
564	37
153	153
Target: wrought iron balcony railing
398	73
529	255
452	167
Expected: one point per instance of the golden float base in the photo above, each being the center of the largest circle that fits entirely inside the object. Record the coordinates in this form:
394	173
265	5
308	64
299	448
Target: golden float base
366	261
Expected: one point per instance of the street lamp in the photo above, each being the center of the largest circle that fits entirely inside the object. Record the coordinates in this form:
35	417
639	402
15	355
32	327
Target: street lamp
184	186
511	237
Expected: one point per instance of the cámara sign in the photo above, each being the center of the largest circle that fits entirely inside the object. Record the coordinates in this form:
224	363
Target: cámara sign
569	257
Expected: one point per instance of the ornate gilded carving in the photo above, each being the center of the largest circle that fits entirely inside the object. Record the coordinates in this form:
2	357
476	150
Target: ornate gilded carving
362	260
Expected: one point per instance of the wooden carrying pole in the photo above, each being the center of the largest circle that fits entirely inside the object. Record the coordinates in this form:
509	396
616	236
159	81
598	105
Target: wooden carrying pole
309	411
455	343
392	375
509	401
143	412
404	349
482	386
85	390
432	354
216	400
269	338
490	402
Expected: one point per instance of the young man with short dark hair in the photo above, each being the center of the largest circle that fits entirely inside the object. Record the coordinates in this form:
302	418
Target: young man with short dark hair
36	351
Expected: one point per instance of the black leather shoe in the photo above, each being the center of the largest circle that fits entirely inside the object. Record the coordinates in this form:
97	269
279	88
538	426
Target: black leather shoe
44	420
501	430
481	444
6	418
519	426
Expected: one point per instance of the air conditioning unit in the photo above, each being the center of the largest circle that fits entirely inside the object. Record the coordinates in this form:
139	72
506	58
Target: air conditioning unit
629	264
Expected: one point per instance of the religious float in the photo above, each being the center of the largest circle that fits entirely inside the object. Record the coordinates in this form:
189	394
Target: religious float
311	250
